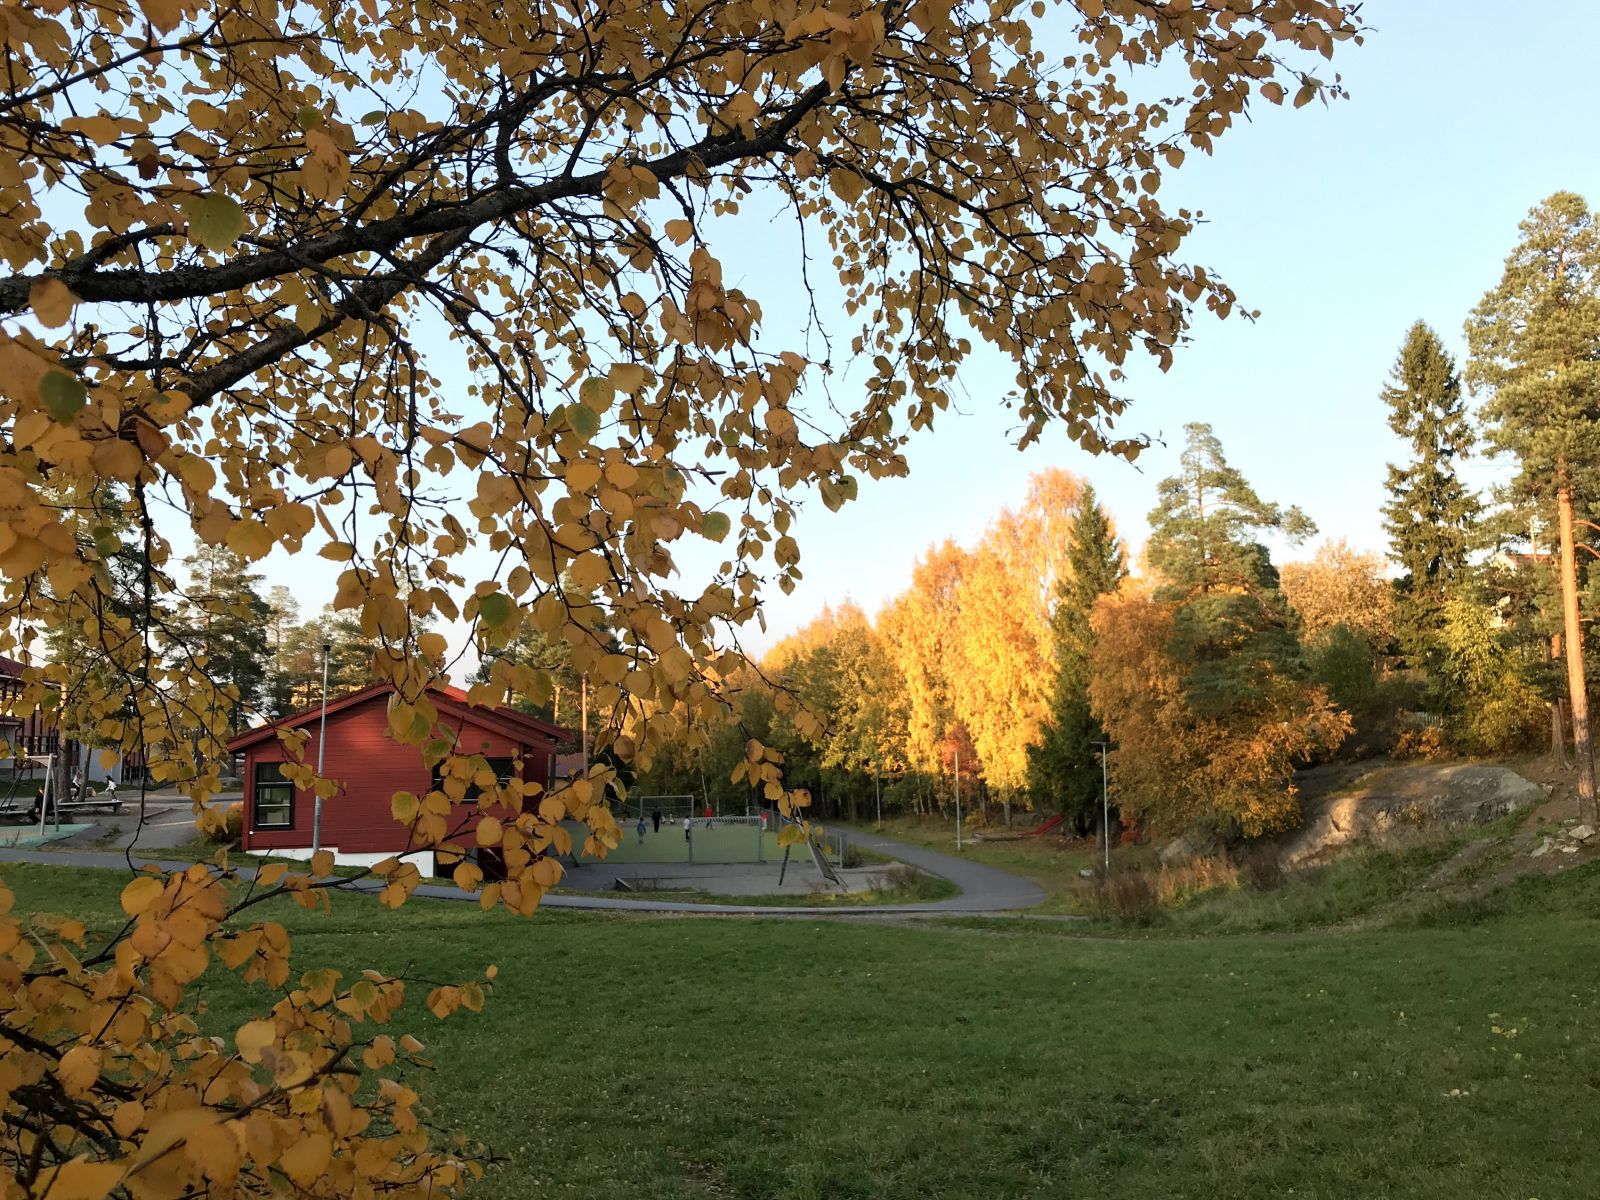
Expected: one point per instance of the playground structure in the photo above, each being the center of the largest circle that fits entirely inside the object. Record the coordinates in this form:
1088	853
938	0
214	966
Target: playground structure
1037	831
46	802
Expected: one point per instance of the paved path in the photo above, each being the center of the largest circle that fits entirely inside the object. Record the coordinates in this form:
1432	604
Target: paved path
983	889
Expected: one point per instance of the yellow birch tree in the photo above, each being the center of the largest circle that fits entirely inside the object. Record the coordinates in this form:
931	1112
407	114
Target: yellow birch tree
438	293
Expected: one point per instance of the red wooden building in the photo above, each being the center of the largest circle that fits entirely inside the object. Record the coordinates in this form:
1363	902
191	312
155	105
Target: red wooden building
370	768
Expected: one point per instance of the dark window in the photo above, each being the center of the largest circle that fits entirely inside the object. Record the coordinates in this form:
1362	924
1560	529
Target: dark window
505	770
274	798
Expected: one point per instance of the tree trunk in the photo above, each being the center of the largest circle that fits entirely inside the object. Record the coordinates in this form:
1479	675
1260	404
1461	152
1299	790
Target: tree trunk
1558	711
1578	696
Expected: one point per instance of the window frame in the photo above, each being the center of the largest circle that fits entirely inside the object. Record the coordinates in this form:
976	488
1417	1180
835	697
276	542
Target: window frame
258	785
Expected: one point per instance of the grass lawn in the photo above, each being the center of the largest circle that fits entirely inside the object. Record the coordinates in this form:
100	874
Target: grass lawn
817	1060
1353	886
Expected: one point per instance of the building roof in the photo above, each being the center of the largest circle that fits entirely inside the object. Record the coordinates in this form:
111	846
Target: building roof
453	701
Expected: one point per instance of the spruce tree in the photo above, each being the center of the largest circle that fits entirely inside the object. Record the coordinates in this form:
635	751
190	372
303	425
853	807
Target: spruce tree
1062	770
1431	514
1535	350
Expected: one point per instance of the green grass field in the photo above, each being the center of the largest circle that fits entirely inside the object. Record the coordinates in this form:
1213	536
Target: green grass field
820	1060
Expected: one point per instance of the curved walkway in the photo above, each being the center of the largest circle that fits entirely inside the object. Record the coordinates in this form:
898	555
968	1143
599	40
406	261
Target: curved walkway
984	889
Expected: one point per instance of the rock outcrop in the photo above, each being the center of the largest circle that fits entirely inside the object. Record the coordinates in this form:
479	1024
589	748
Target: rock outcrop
1382	803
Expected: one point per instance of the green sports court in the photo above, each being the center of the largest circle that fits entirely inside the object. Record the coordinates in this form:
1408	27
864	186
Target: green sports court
713	840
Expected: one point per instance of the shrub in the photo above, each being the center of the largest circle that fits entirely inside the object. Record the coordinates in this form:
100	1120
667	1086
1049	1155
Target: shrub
1125	896
1429	743
1260	869
232	826
1179	883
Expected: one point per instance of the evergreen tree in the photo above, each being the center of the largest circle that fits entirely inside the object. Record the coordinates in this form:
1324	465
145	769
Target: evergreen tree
1062	770
1205	528
1535	350
225	615
1431	514
552	697
1231	617
297	682
111	660
283	617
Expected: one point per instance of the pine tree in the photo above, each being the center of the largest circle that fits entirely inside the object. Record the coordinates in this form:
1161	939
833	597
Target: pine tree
1204	542
1239	685
1204	531
283	616
297	679
1431	514
1534	341
224	614
1062	770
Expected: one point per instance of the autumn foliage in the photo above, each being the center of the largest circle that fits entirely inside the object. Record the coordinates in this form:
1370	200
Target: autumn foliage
1179	766
435	293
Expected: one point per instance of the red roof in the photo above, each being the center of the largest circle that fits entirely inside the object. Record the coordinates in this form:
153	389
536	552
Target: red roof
449	700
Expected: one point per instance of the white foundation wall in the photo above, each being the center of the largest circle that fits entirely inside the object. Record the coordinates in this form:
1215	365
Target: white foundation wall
422	859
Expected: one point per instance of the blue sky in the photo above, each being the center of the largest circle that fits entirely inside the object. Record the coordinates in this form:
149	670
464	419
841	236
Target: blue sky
1342	225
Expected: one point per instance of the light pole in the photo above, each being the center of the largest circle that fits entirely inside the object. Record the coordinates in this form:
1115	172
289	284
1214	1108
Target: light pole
877	791
958	797
1105	803
322	741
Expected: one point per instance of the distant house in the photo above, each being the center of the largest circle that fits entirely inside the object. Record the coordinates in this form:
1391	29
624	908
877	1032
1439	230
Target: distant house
25	731
370	767
33	738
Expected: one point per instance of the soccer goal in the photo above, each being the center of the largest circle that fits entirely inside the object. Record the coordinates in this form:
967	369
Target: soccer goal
686	805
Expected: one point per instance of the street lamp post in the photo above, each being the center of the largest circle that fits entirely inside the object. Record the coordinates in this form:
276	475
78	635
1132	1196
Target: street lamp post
1105	803
958	797
322	741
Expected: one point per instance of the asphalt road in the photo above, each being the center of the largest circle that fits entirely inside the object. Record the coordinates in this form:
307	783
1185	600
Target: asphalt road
984	889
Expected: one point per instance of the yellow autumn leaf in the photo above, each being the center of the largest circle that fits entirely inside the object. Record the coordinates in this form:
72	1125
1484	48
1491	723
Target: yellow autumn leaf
79	1068
269	875
254	1037
78	1180
306	1160
582	475
52	302
628	377
140	894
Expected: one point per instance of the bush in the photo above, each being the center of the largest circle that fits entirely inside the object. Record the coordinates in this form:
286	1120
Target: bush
228	832
1429	743
1343	662
1260	869
1125	896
